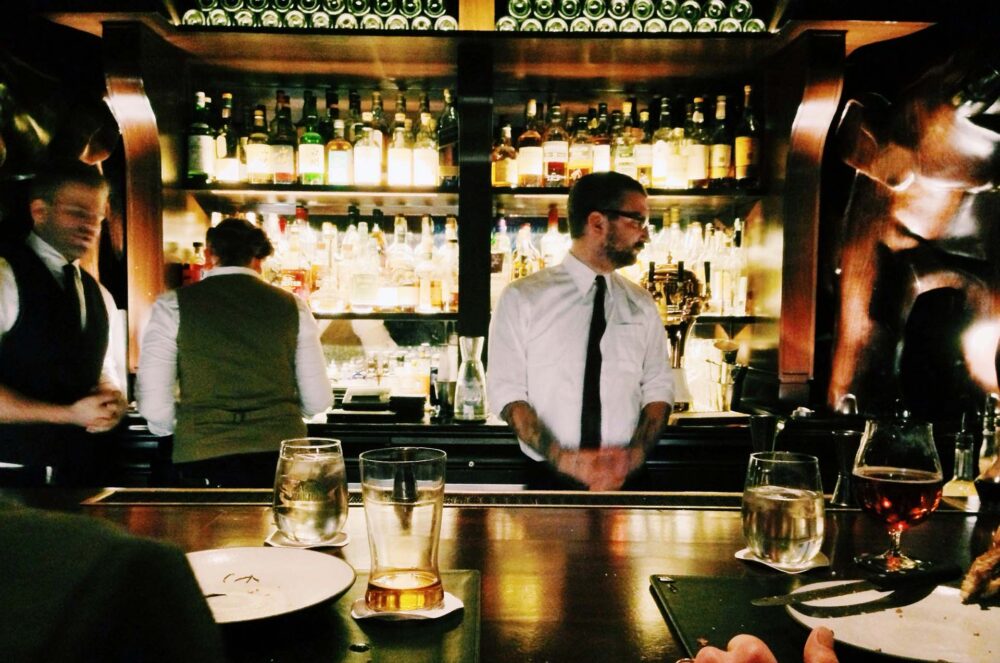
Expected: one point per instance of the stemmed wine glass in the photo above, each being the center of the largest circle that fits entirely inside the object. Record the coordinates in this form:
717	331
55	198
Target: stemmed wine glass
897	479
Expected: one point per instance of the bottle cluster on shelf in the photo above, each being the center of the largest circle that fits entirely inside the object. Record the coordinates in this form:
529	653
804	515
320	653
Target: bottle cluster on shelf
630	16
365	148
359	269
679	148
710	249
419	15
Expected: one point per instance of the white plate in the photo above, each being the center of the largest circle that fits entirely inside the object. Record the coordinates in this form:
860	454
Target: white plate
242	584
937	628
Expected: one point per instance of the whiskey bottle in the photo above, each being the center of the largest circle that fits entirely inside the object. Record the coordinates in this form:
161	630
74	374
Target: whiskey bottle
530	171
602	140
312	148
399	169
325	127
339	157
367	157
259	170
721	155
227	144
581	152
747	145
555	149
425	154
698	148
662	139
643	150
622	147
200	143
283	143
526	259
447	139
503	160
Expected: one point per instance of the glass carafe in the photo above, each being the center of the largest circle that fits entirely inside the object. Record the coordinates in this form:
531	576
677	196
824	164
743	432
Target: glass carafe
470	388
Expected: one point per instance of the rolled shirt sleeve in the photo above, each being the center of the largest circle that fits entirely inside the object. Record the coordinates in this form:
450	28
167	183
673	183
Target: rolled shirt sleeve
156	379
315	394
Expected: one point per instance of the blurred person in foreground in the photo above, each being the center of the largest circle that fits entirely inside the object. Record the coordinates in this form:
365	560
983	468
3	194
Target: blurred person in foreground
79	589
749	649
578	359
230	365
58	384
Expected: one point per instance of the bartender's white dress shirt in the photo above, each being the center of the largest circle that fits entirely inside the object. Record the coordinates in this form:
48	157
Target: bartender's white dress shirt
10	305
156	380
538	348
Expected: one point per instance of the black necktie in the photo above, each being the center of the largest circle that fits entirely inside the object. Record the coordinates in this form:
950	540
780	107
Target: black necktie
72	297
590	416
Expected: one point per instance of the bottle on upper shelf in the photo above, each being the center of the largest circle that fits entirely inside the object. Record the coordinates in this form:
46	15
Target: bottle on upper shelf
555	148
312	147
747	145
530	160
581	152
447	139
503	160
720	169
283	142
227	144
339	157
200	143
698	147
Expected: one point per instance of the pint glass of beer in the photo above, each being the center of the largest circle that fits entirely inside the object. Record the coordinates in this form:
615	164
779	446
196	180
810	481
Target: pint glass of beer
403	493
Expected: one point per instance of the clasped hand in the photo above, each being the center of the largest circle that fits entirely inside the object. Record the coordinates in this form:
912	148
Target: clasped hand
606	468
99	411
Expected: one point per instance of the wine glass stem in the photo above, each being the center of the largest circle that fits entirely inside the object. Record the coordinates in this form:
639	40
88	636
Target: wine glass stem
894	551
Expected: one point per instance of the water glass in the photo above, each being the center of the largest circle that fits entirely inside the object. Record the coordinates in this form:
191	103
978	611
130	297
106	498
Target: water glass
403	493
783	512
310	490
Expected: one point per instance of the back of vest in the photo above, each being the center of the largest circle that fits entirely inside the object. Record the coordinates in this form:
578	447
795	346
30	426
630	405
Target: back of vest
236	367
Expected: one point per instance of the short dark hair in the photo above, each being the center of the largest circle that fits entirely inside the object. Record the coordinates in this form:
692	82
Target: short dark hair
235	242
595	192
56	174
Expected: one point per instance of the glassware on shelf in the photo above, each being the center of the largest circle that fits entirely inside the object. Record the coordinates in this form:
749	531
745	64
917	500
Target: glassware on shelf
470	387
961	482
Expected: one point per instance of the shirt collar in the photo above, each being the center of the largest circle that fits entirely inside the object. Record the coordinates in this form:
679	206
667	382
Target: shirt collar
223	271
581	273
52	259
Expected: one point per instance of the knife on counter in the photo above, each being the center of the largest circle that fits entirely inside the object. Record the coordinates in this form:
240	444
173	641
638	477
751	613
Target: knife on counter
883	582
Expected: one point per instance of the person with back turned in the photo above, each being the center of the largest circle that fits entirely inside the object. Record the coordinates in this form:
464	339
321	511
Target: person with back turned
58	384
578	360
244	358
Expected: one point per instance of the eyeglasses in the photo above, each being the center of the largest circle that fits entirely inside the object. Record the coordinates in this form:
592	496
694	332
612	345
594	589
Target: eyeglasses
640	220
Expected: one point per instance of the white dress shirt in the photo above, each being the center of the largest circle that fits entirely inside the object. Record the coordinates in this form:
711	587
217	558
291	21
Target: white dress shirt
156	380
10	304
538	349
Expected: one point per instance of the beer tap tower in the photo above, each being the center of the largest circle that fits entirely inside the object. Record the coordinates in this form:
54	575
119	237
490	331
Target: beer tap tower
679	299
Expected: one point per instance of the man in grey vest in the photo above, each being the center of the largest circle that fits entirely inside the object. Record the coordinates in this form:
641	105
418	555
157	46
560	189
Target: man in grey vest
230	365
58	384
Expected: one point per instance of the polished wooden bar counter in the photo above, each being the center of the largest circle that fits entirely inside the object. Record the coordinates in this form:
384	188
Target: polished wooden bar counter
564	576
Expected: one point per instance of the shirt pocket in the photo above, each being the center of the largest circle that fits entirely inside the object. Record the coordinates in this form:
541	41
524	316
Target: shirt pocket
624	347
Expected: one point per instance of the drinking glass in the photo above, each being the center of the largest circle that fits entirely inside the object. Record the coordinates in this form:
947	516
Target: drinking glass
403	493
897	480
783	512
310	490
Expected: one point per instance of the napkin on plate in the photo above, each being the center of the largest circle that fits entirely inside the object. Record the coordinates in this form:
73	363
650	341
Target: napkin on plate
279	540
451	603
816	562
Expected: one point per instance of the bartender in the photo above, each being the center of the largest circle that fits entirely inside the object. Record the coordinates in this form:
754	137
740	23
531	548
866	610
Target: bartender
244	359
578	359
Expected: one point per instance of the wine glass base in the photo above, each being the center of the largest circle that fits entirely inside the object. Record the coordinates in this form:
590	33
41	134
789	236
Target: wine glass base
886	563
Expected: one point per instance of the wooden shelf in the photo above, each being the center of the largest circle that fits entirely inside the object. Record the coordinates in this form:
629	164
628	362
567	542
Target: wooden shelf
723	202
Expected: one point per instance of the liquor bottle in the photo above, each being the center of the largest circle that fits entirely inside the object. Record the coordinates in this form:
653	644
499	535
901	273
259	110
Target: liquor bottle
428	281
602	140
747	145
526	260
961	483
720	169
622	147
312	147
367	158
425	154
447	139
364	273
200	143
244	128
380	127
581	152
570	9
500	258
353	114
283	143
399	169
196	267
662	139
530	172
594	9
543	9
259	170
555	149
503	160
309	113
399	263
325	127
448	265
339	157
227	144
988	452
553	243
698	148
643	151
